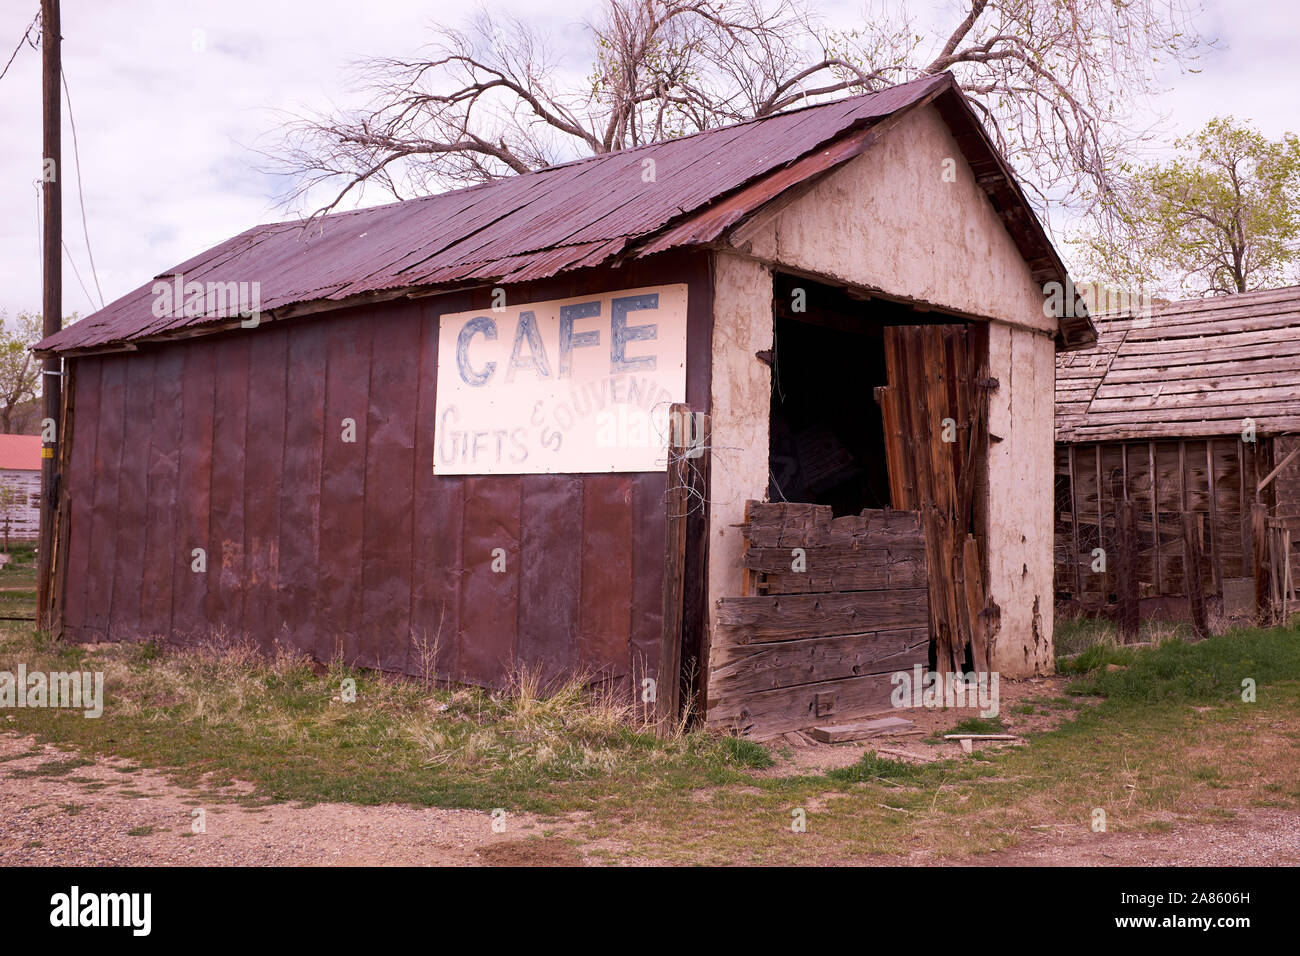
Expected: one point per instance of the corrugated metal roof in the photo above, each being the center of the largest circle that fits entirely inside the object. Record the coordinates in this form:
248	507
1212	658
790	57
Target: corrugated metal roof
1196	368
558	219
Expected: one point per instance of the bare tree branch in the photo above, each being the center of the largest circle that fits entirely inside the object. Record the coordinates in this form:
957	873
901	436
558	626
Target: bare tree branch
1054	81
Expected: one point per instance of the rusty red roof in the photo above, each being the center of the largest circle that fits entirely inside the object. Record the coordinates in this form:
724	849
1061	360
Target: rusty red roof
581	214
20	452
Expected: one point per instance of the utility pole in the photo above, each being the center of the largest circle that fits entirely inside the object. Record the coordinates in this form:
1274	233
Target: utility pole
52	299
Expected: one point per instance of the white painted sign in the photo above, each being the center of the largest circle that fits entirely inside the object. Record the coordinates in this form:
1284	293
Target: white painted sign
568	386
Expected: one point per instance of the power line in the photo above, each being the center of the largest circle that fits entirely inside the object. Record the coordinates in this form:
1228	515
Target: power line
76	273
26	34
40	231
81	195
66	250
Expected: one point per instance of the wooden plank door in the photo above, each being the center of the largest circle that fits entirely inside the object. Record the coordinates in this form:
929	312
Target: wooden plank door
935	413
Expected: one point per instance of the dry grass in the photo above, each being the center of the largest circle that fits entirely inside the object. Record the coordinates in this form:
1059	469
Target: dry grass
579	727
220	709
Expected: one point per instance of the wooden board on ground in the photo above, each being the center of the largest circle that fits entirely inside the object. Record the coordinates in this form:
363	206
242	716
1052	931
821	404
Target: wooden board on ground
884	726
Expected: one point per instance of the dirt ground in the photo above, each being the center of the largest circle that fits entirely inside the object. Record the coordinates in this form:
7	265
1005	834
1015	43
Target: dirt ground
107	813
799	753
1258	837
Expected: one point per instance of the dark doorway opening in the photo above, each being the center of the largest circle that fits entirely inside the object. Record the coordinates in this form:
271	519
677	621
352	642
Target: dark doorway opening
826	442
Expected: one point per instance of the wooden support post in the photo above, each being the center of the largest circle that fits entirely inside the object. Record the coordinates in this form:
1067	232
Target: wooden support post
1259	538
1123	463
52	296
1182	501
1274	567
1126	572
62	521
1192	574
1244	502
695	614
668	682
1101	531
1216	567
1158	578
1286	576
1077	556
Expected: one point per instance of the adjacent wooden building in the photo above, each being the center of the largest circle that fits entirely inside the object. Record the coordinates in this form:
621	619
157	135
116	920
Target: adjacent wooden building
520	425
1189	414
20	486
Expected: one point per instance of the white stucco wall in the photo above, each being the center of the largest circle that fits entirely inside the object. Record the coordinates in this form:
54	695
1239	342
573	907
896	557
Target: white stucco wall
905	218
741	396
889	220
1019	506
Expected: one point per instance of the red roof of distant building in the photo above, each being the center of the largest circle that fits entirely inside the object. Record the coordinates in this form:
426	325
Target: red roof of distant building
20	452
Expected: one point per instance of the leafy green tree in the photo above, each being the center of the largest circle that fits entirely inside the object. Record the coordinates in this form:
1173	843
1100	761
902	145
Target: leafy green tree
1222	216
20	370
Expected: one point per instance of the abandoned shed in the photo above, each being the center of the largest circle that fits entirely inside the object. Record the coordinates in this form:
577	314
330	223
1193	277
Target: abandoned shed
579	421
1177	457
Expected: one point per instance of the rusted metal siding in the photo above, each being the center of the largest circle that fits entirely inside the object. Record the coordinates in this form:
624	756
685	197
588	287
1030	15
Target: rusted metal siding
234	443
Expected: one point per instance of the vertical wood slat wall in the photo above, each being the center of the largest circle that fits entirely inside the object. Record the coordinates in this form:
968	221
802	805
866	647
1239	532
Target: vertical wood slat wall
1287	491
1214	478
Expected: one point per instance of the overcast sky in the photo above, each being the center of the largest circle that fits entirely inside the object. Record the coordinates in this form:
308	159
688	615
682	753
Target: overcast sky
170	100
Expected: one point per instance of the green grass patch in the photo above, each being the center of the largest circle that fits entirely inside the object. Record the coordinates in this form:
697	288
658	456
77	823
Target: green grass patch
746	753
52	768
1072	635
1204	672
1099	655
875	768
978	725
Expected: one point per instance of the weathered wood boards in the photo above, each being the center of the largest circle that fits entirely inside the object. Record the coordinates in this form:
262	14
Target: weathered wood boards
1213	479
1193	408
837	570
1126	572
783	708
1192	550
789	617
836	606
1286	494
842	733
1189	369
1259	536
935	413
